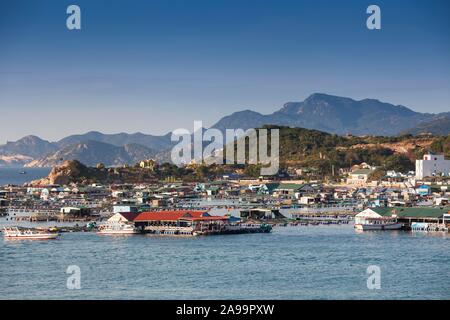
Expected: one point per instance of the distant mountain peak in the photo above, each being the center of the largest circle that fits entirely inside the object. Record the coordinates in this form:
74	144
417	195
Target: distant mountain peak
246	111
333	114
319	95
29	146
30	139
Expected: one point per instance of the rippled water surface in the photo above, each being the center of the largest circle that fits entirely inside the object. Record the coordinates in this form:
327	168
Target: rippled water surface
316	262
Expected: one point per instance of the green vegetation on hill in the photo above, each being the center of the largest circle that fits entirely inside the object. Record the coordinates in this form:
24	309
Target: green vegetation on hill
324	152
321	152
441	145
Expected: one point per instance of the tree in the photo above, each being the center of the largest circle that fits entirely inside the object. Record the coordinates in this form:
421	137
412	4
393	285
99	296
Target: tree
399	163
377	175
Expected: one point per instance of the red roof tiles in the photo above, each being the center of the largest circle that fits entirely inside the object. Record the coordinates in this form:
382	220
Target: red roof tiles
170	215
210	218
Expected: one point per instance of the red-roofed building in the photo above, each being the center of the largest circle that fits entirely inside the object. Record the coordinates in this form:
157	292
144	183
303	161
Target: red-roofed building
180	220
169	216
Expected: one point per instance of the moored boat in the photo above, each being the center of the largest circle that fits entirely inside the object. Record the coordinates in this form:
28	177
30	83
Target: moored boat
384	223
117	228
236	228
16	233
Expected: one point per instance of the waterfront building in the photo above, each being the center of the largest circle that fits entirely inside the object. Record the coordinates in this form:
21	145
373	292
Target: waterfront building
167	217
432	165
408	215
75	211
180	221
261	214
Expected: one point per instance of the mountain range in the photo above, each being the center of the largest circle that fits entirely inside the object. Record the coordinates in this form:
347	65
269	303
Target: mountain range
337	115
93	152
332	114
439	126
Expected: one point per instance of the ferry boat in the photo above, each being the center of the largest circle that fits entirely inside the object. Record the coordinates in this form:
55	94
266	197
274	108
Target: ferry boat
16	233
384	223
117	228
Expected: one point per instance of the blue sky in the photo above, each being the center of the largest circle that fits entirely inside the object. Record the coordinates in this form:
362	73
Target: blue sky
153	66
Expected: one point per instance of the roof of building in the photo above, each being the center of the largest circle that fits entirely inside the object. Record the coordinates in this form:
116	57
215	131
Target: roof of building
209	218
362	171
130	216
170	215
416	212
271	186
290	186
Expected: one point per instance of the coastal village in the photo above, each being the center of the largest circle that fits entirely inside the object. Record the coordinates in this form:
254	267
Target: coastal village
234	203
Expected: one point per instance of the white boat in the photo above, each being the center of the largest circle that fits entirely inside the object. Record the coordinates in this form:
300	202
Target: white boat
388	223
117	228
16	233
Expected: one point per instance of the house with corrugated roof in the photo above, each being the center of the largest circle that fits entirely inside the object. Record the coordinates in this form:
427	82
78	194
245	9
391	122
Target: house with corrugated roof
264	188
293	190
408	215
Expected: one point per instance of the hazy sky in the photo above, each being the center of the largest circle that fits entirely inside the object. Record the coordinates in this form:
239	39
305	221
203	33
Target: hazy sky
158	65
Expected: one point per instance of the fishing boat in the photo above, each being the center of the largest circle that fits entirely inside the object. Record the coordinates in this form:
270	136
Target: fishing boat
16	233
383	223
117	228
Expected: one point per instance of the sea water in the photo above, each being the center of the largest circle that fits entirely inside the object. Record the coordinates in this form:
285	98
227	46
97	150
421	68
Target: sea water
302	262
14	176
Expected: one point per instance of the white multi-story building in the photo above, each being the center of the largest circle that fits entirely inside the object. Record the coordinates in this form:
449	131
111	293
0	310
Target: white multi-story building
432	165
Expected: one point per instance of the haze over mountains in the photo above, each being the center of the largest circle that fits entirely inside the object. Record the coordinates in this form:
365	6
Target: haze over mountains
323	112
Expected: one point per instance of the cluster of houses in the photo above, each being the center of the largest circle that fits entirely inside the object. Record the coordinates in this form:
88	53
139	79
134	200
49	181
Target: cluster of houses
119	198
396	190
429	167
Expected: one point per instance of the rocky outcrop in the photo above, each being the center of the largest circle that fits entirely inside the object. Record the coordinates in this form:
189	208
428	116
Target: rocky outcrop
68	172
73	171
